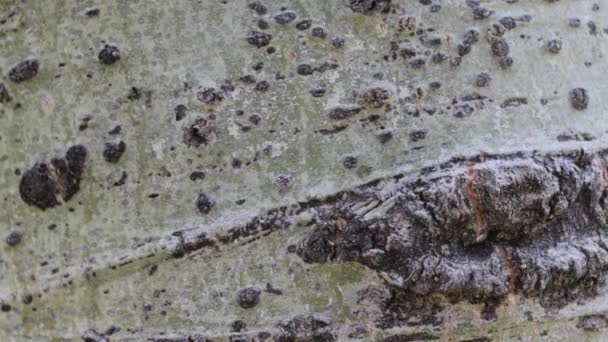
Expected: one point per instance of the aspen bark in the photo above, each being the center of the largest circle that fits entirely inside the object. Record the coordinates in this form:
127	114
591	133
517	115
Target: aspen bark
250	170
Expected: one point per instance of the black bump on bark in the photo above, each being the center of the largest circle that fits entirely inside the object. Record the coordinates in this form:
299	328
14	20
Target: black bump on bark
258	39
248	297
14	237
113	150
204	204
579	98
285	17
109	55
24	70
368	7
54	180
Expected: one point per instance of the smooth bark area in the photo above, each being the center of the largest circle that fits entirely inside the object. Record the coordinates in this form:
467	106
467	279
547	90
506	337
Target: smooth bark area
303	170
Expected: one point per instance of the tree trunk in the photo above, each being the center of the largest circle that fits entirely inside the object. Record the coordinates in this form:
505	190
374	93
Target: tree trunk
303	170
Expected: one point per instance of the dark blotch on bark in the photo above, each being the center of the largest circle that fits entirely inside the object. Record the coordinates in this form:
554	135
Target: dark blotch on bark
4	94
554	45
376	97
483	79
116	130
417	63
122	180
134	94
463	49
180	112
315	327
24	70
248	297
319	32
247	79
238	325
93	336
262	86
285	17
592	323
263	24
508	22
305	69
258	7
318	92
471	37
368	7
259	39
14	237
338	42
210	95
579	98
350	161
480	13
109	55
500	48
113	150
385	137
91	12
304	25
514	102
197	175
200	132
272	290
571	136
439	57
505	62
204	204
340	113
417	135
38	186
53	180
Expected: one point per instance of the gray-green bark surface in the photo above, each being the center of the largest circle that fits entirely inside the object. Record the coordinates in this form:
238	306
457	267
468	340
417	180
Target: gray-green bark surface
107	256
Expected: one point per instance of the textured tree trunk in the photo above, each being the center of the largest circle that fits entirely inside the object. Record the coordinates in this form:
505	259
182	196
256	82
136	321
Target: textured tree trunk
303	170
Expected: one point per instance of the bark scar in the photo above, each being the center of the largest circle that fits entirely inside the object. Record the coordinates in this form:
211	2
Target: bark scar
507	261
54	175
603	177
480	223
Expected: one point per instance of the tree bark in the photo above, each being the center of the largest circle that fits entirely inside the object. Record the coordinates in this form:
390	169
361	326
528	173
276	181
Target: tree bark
303	170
